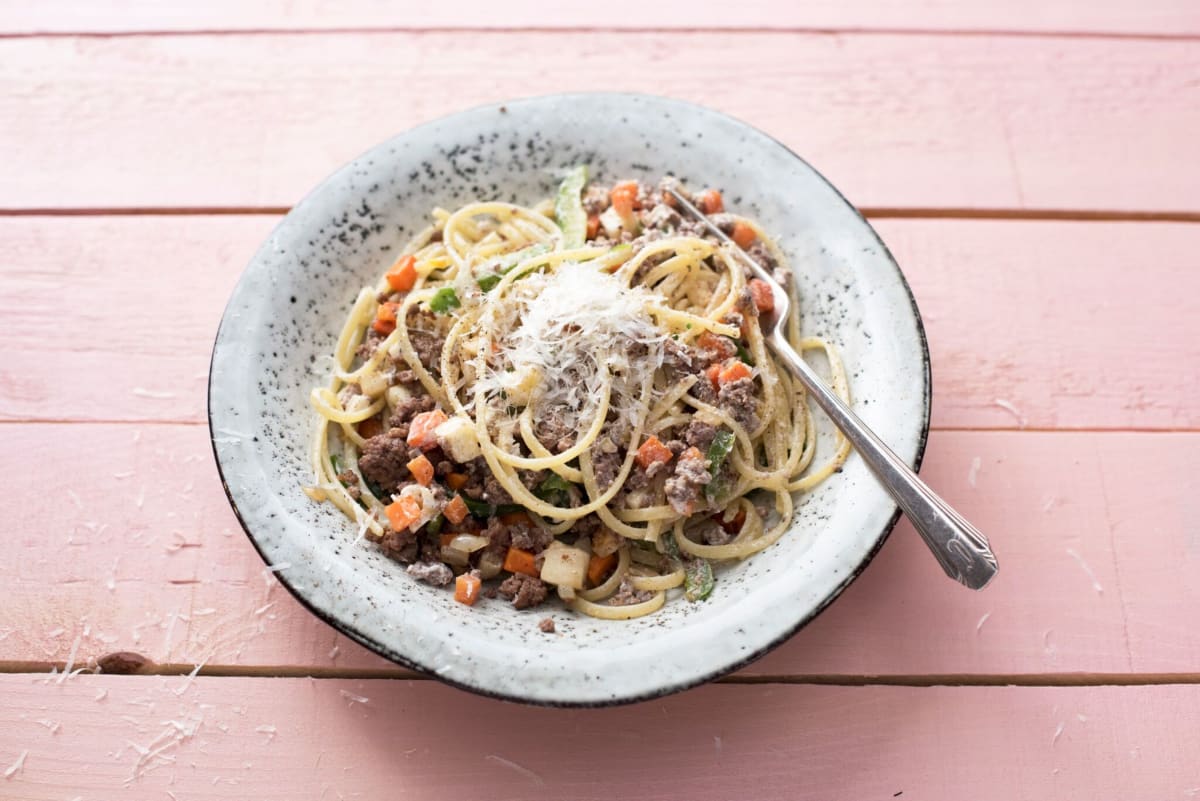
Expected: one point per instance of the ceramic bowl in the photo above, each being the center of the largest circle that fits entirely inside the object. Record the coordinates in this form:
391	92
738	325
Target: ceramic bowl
278	332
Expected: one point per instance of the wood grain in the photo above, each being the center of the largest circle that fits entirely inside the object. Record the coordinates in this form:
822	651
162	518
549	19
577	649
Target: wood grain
896	121
116	535
144	555
217	738
1171	17
1041	316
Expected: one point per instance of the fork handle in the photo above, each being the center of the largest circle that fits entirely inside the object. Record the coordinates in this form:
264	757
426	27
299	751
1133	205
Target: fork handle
960	548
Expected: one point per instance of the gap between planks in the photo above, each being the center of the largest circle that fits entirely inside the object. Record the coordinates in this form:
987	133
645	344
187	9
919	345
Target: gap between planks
36	668
875	212
1017	428
586	29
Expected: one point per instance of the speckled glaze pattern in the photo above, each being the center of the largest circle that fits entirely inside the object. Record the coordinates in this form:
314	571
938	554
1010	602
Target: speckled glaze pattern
279	328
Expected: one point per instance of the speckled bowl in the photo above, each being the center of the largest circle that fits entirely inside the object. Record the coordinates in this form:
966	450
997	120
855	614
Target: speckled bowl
279	329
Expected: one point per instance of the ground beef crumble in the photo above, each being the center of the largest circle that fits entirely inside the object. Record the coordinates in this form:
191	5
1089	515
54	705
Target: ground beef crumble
434	573
739	399
606	462
528	537
699	435
406	410
524	591
553	430
685	486
424	332
711	532
627	595
384	461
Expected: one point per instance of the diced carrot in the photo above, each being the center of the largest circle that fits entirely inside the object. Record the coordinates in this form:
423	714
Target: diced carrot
371	427
691	454
593	226
466	589
651	452
403	274
743	235
403	513
731	526
422	470
624	197
764	298
456	511
456	481
733	370
710	202
515	519
714	373
518	561
669	199
421	430
723	347
599	567
385	318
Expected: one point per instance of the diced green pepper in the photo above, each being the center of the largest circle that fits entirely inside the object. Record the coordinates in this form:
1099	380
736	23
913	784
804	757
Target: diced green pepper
718	452
697	579
555	490
568	207
478	508
444	300
742	353
484	510
376	490
434	526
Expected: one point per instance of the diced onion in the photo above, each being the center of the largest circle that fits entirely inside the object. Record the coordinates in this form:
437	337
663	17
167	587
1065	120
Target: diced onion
490	564
454	557
468	543
397	395
564	566
373	383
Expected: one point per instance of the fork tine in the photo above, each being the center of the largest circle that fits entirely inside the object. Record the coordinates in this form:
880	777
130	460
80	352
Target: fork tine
782	299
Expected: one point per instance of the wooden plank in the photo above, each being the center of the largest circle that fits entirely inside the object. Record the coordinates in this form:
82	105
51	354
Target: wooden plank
1172	17
298	738
1039	323
894	120
146	556
1037	317
154	290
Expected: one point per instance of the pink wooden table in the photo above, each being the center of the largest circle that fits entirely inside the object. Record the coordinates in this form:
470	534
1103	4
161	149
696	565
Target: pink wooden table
1033	166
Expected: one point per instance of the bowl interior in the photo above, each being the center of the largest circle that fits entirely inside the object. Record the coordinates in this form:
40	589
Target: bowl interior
279	329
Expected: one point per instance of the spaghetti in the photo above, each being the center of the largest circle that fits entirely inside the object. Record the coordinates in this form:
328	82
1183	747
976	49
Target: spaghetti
574	396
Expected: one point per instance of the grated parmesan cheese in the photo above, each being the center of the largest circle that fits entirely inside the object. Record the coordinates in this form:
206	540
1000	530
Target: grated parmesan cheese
17	766
569	331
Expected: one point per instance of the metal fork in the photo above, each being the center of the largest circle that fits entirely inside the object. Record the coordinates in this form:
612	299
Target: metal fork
960	548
